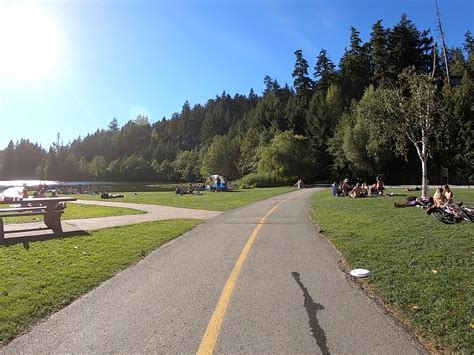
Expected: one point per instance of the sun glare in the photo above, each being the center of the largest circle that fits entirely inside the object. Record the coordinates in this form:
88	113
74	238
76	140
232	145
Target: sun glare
29	43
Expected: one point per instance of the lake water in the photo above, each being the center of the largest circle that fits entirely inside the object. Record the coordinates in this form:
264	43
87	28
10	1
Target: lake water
107	186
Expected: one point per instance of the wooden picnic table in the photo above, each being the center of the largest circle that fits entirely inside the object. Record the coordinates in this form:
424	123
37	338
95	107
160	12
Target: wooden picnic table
50	207
51	203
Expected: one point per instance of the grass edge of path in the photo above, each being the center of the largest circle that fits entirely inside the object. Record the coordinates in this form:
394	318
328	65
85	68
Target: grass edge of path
397	317
433	342
81	283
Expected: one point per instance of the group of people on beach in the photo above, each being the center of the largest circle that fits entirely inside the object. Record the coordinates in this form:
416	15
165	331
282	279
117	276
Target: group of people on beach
358	190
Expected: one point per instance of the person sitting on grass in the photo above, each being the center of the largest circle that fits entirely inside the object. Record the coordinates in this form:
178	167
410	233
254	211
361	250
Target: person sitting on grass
356	191
448	194
345	187
438	200
365	189
190	189
376	188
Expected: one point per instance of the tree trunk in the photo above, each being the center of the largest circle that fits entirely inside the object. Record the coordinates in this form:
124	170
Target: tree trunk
422	154
424	177
424	165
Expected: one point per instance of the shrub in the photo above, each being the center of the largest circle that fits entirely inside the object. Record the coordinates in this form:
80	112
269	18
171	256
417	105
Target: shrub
256	180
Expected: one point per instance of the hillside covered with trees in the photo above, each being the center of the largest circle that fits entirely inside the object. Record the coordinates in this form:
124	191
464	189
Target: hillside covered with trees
356	119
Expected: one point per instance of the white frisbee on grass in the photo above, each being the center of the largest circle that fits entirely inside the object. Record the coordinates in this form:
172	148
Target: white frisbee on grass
360	273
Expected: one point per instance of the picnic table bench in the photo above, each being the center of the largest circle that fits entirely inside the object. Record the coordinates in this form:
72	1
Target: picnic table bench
50	207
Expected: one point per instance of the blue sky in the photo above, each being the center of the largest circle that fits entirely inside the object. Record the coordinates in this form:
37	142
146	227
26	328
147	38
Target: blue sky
121	58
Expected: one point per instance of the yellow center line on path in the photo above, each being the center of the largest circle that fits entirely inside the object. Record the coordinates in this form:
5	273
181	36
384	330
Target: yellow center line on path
209	340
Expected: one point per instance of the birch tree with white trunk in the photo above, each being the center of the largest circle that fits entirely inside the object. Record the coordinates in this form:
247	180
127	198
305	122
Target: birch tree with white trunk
410	113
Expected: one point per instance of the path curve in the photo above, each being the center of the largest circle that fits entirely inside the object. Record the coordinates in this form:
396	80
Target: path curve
153	213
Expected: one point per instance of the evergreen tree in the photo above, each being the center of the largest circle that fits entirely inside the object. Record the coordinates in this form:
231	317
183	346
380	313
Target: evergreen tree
133	138
378	52
113	125
355	68
271	85
28	156
408	47
253	98
184	133
322	118
268	112
302	82
459	153
295	113
324	71
9	162
51	167
469	50
70	167
457	64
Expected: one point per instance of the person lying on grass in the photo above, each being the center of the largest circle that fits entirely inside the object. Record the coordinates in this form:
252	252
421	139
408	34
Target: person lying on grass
106	195
413	201
412	189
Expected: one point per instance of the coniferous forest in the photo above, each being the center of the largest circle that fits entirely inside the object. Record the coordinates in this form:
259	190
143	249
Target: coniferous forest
384	108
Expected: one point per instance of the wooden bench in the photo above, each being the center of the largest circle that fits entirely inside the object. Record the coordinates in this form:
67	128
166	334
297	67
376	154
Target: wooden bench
51	219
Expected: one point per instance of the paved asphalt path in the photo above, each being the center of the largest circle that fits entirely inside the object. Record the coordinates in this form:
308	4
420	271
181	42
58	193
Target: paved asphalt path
291	296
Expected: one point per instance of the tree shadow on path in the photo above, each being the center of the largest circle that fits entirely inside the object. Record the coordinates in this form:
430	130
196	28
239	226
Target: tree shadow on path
312	308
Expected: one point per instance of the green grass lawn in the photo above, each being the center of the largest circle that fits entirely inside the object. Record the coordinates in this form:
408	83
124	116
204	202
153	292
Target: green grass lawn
76	211
43	278
213	201
422	268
